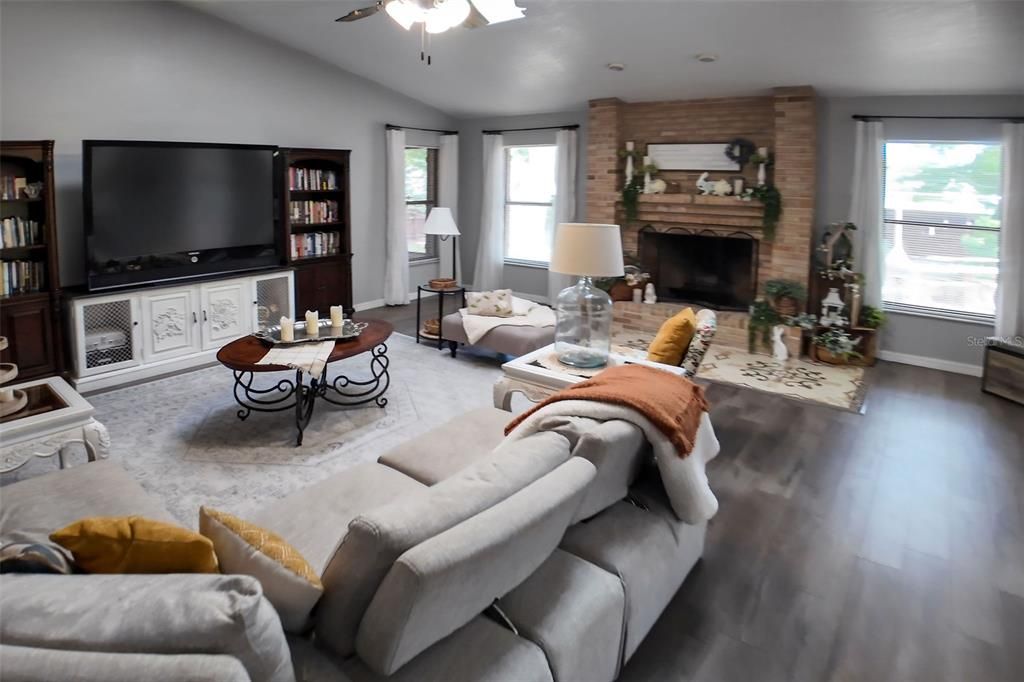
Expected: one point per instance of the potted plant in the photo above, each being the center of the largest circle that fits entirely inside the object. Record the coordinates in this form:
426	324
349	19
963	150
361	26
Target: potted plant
762	318
835	347
872	317
786	295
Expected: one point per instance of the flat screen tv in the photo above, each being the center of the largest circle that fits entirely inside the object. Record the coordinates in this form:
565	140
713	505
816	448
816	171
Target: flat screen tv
158	211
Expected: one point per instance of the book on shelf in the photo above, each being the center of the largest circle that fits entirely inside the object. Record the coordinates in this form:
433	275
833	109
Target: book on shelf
12	187
20	232
300	179
311	212
315	244
22	277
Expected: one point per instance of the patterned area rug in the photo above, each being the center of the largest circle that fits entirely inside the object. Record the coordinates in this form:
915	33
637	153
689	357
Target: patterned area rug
181	439
812	382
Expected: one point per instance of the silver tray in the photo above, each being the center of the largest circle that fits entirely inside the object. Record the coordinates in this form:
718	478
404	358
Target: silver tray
348	330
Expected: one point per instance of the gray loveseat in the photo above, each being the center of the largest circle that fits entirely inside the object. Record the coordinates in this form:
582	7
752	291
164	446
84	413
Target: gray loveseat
441	561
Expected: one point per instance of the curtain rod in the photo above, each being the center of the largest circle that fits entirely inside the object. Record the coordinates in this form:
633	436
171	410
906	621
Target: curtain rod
1008	119
425	130
575	126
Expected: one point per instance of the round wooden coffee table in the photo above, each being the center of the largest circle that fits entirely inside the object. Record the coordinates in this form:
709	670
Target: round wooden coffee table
241	356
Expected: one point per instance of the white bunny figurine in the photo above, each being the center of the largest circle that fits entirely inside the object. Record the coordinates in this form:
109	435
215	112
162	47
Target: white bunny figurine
779	350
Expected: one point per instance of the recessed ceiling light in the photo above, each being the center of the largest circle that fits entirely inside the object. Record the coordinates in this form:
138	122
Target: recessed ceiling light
615	66
706	57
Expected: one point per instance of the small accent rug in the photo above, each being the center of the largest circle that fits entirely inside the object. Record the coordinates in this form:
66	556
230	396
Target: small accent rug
181	439
812	382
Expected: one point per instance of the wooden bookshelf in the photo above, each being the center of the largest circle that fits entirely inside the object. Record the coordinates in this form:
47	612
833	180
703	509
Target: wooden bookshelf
30	303
317	230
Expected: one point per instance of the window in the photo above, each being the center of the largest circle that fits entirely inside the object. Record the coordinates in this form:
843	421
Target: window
529	203
941	228
420	197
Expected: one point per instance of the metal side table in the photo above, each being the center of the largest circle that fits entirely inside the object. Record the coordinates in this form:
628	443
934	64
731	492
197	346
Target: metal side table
441	293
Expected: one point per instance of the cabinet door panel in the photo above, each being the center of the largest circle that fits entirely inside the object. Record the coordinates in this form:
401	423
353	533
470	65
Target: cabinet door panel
29	332
170	324
272	299
225	312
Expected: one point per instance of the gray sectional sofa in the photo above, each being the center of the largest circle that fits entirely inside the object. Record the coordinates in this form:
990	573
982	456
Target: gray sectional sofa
442	561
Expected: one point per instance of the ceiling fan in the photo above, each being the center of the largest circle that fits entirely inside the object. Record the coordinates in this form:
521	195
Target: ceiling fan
437	16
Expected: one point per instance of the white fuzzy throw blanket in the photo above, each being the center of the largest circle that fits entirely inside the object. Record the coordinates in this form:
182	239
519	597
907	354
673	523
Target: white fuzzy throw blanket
524	314
684	477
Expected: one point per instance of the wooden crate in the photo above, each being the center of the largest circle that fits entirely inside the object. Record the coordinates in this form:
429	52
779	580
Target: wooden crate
1004	371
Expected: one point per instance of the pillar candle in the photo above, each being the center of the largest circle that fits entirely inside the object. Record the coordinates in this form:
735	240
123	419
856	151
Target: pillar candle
337	315
287	329
312	323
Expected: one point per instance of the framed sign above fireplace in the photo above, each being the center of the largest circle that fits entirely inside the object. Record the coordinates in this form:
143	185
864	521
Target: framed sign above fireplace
691	157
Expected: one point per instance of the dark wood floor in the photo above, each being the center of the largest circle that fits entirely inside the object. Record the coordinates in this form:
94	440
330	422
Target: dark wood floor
883	546
403	317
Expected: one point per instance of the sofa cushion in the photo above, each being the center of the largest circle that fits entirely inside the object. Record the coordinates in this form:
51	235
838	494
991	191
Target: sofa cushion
480	651
380	535
34	508
439	453
156	614
617	449
441	584
133	544
288	581
31	664
649	550
314	519
575	612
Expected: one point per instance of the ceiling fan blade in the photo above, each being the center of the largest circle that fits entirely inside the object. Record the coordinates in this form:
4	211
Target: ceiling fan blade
362	13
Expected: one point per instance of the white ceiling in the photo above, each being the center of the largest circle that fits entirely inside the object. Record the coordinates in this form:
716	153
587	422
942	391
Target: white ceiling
554	60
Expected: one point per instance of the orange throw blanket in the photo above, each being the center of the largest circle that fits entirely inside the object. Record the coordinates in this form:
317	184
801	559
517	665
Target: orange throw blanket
672	403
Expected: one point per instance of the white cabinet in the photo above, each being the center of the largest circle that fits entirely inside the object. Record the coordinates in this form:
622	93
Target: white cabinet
225	311
149	332
169	323
106	330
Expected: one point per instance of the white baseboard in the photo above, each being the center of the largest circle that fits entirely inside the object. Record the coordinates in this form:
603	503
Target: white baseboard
148	372
532	297
931	363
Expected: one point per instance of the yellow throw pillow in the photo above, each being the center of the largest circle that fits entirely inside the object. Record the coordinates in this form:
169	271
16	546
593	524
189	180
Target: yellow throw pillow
288	581
133	544
669	346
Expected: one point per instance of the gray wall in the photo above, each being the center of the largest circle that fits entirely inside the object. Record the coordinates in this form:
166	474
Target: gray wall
160	71
523	279
943	340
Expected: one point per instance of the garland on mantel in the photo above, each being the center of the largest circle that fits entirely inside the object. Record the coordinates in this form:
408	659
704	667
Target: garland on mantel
772	201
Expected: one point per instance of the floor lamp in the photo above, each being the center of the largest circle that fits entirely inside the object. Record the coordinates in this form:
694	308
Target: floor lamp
441	223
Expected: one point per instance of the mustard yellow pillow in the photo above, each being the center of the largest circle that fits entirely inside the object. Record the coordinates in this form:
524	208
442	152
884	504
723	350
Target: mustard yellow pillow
288	581
674	336
133	544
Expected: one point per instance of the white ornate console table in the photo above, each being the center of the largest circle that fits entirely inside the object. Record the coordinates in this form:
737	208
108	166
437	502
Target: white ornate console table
55	417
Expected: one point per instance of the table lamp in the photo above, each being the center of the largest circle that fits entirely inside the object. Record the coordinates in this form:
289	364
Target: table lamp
583	313
441	223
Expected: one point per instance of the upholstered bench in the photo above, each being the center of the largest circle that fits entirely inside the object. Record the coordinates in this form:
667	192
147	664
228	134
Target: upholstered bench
508	339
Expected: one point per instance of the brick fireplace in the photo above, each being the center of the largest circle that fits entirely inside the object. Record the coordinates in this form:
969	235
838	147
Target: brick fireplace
785	122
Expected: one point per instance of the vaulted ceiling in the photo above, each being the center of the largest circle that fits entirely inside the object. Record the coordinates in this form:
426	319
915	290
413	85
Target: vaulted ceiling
555	59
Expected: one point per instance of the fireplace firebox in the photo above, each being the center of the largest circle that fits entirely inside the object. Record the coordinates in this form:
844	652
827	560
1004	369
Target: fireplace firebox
708	269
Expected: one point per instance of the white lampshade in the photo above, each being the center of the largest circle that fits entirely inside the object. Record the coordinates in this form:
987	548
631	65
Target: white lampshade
586	249
440	221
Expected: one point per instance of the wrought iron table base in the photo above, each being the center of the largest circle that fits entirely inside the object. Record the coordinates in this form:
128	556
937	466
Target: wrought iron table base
296	395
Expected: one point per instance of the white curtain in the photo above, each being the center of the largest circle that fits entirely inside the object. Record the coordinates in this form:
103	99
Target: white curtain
1010	294
490	253
565	200
448	197
866	209
396	248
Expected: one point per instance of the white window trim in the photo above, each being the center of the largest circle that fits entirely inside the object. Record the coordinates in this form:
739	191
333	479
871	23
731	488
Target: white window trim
925	311
521	262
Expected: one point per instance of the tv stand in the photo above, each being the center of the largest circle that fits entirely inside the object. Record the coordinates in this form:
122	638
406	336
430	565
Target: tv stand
138	334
